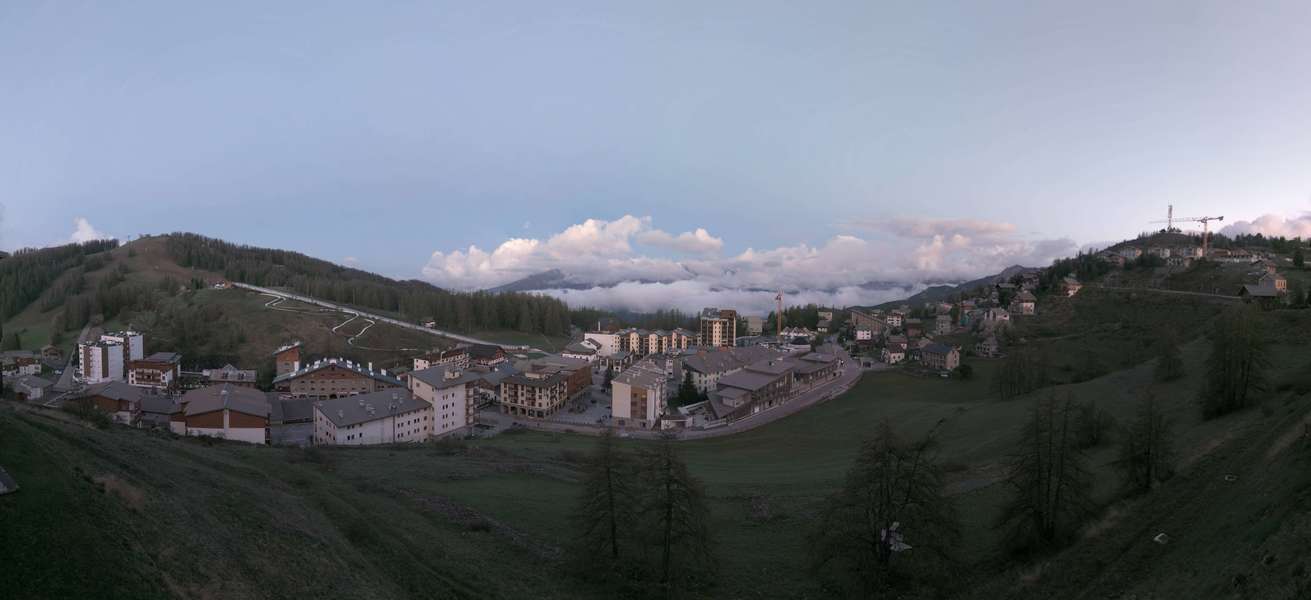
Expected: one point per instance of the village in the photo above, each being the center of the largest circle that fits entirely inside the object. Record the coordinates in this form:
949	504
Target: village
731	373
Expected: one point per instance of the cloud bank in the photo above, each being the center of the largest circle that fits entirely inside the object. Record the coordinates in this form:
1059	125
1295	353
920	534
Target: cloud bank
628	263
84	232
1272	226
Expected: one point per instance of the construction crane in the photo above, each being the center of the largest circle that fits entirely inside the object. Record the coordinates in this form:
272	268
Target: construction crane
1205	221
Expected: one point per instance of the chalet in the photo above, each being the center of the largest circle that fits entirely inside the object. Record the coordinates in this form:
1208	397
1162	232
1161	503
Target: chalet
1274	280
1266	297
893	353
1131	252
333	378
584	350
225	411
19	365
30	388
988	347
121	401
1024	304
390	416
1114	258
287	358
894	319
159	370
457	357
864	335
231	376
1071	286
486	355
940	356
618	360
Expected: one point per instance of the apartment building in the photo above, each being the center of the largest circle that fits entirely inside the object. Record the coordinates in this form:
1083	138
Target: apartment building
134	344
534	395
709	365
640	394
100	361
452	393
718	327
390	416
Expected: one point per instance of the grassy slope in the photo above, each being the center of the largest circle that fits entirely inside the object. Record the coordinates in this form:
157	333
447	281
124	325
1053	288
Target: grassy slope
235	522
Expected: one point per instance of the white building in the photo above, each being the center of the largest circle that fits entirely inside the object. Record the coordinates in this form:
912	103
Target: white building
864	334
449	390
638	395
390	416
606	343
100	361
587	350
134	345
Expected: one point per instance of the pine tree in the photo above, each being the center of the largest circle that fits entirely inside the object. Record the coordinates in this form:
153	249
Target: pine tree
890	518
675	521
1298	259
687	392
1049	480
604	517
609	377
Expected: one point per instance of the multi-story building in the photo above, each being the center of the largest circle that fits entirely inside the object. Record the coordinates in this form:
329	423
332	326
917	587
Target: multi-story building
760	386
606	343
535	395
584	350
940	356
718	327
100	361
334	378
452	393
159	370
389	416
755	325
577	372
134	345
486	355
457	357
639	394
287	358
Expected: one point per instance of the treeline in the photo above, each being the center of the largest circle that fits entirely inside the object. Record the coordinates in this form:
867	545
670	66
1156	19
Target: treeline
29	273
415	300
1084	267
586	318
798	316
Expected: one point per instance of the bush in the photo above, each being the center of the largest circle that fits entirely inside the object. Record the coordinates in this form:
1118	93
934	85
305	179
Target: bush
89	413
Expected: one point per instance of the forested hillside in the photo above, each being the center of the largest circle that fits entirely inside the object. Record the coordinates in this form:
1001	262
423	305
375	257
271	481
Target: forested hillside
415	300
29	274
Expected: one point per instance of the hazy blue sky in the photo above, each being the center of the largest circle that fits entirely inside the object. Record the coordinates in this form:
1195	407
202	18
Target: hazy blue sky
389	132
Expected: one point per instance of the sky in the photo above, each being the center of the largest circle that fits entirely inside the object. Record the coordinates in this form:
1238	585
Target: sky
677	152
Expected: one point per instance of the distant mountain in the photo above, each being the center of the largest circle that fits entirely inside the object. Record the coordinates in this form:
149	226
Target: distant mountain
546	280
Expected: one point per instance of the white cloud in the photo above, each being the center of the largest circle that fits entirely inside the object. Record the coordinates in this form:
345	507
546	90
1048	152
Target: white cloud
690	242
691	296
84	232
1272	226
608	259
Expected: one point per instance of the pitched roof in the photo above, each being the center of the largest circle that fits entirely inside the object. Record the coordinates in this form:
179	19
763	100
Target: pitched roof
164	357
160	404
936	348
352	410
342	363
232	397
1259	291
113	390
748	380
287	347
580	348
32	382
